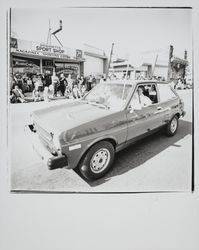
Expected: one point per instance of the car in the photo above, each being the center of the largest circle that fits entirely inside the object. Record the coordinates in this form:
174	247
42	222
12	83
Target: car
87	133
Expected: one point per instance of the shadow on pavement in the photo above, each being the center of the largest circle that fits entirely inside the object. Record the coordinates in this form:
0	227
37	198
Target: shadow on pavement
142	151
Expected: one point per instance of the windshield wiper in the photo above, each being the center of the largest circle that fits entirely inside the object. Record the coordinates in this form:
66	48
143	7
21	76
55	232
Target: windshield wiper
97	103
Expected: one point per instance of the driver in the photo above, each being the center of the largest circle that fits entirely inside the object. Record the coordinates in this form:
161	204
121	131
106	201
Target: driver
139	100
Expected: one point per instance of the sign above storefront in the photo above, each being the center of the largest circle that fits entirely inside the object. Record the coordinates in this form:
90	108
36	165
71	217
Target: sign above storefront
78	53
44	50
51	49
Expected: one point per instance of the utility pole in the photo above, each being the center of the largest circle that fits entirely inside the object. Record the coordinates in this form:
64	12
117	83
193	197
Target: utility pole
185	55
185	66
110	60
169	64
49	35
154	64
54	33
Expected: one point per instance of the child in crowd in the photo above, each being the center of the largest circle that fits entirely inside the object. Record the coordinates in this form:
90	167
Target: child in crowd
83	90
17	95
46	94
37	95
76	92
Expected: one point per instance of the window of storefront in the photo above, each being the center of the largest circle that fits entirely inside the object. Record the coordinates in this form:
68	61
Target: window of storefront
47	66
25	65
67	68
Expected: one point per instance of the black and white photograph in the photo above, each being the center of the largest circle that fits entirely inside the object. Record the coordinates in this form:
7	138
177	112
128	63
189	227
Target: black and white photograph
99	125
100	100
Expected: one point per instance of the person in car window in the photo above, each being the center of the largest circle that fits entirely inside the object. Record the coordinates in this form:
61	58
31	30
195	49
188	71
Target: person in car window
139	100
153	94
143	100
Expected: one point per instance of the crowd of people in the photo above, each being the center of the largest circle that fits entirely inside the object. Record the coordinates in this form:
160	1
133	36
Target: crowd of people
47	86
179	83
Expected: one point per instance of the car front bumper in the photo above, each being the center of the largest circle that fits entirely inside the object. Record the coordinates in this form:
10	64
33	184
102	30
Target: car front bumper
51	161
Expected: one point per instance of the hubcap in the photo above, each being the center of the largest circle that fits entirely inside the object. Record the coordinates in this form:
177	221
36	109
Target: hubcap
100	160
173	125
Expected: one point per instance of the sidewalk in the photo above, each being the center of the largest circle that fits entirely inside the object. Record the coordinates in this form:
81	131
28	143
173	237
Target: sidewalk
29	98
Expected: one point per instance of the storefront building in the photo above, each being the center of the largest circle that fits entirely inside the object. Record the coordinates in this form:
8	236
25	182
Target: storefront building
96	61
121	68
37	58
33	58
144	71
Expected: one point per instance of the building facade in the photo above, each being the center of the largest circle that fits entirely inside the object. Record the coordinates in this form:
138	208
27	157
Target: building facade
96	61
32	57
122	68
37	58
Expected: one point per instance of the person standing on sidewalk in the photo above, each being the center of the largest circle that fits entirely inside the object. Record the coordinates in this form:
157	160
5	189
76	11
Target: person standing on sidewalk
55	82
89	82
62	84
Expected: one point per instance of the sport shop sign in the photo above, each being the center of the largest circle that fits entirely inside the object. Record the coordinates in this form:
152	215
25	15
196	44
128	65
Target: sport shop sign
40	49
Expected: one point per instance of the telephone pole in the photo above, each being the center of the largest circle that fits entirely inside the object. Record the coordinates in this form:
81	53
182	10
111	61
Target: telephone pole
54	33
111	54
169	64
154	65
49	35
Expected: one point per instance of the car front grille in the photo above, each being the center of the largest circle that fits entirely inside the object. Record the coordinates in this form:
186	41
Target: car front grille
45	137
42	132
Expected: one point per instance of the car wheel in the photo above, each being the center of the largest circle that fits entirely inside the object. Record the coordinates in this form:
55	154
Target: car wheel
97	161
172	126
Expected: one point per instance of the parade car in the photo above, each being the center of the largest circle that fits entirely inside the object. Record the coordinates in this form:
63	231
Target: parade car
86	133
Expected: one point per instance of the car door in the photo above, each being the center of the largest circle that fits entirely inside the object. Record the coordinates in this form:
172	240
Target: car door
146	118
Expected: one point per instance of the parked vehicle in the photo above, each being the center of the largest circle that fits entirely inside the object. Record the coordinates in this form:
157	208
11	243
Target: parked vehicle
86	133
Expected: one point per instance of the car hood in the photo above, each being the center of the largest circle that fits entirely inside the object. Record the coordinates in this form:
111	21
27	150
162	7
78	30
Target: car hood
63	117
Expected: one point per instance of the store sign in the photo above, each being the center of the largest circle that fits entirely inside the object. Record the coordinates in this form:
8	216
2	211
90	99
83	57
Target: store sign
78	53
13	42
31	70
67	65
40	49
67	68
51	49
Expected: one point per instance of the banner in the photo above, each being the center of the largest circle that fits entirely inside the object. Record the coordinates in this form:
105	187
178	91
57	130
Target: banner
40	49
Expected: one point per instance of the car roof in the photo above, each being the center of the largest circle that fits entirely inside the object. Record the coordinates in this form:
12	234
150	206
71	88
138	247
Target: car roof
134	82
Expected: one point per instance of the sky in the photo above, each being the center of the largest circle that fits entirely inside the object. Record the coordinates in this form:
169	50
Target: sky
133	30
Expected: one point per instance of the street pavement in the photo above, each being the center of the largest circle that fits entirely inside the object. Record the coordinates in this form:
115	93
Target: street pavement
156	163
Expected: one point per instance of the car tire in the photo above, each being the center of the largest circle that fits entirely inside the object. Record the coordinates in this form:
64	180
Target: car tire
97	161
172	126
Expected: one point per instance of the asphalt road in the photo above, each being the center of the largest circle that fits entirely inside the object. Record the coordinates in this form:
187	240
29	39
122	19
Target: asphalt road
156	163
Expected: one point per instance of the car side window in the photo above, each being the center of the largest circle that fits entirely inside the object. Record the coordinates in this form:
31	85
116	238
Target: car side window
144	95
152	93
165	92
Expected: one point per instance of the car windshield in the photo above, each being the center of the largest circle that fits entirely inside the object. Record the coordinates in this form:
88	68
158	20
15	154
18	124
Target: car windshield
109	95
